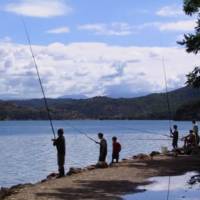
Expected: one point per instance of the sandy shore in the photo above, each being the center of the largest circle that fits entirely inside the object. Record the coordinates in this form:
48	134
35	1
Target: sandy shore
109	183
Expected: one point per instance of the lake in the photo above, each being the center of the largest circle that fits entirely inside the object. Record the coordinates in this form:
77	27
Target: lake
179	189
27	153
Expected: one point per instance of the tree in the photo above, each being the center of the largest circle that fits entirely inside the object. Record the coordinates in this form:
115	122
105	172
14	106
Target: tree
192	40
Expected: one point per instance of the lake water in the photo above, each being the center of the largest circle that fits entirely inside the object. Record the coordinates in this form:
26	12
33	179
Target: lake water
27	154
179	189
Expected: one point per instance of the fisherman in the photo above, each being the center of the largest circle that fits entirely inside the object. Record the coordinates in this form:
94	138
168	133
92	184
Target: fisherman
103	148
189	140
196	130
116	149
60	145
174	135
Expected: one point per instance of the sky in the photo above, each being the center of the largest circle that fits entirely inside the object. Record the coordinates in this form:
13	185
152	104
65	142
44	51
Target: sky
86	48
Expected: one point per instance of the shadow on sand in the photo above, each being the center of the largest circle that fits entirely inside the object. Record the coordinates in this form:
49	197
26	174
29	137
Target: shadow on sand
100	190
115	189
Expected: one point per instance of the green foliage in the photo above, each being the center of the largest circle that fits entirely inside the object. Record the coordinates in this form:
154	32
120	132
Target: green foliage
193	78
191	41
191	6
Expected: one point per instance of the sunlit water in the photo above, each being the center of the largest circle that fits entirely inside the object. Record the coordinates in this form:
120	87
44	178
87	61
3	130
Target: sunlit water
27	154
179	189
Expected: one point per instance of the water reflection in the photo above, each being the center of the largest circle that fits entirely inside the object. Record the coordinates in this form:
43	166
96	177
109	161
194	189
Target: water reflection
179	189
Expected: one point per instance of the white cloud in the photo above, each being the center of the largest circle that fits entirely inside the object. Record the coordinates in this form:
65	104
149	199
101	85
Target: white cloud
174	26
115	29
59	30
125	29
38	8
184	25
170	11
91	69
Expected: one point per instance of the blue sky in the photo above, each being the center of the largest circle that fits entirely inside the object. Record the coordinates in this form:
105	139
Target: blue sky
134	13
90	47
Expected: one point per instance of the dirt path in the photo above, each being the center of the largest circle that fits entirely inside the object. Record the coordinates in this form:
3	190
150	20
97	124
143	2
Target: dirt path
109	183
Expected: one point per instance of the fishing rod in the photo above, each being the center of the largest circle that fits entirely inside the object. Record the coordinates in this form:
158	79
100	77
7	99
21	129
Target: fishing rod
167	93
81	132
38	75
156	139
170	116
146	131
42	88
136	139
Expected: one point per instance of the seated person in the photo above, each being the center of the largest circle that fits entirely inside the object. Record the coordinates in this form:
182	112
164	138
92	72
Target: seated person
190	140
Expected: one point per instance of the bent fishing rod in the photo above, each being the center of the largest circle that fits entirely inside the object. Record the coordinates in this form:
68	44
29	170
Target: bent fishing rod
38	75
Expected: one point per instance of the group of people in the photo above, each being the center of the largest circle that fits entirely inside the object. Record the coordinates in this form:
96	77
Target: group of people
59	142
191	140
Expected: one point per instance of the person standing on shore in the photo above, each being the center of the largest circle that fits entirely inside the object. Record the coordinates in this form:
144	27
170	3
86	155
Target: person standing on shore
103	148
60	145
174	135
116	149
196	131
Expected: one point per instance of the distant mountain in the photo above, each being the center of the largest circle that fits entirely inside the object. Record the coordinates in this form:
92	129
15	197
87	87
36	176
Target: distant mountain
153	106
76	96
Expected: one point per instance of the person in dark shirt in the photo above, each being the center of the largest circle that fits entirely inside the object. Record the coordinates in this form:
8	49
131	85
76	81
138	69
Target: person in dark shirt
116	149
103	148
174	135
60	145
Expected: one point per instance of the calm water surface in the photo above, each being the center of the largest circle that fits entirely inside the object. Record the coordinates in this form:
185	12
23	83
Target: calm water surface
179	189
27	154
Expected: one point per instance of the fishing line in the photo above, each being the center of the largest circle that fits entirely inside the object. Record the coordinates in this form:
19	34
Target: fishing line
38	75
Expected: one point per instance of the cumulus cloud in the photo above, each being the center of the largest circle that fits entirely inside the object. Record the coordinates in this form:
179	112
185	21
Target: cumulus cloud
173	26
91	69
38	8
125	29
170	11
115	28
59	30
184	25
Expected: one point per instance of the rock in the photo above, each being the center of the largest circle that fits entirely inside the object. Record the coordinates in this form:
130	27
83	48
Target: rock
74	170
142	156
90	167
154	153
194	179
101	165
5	192
53	175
